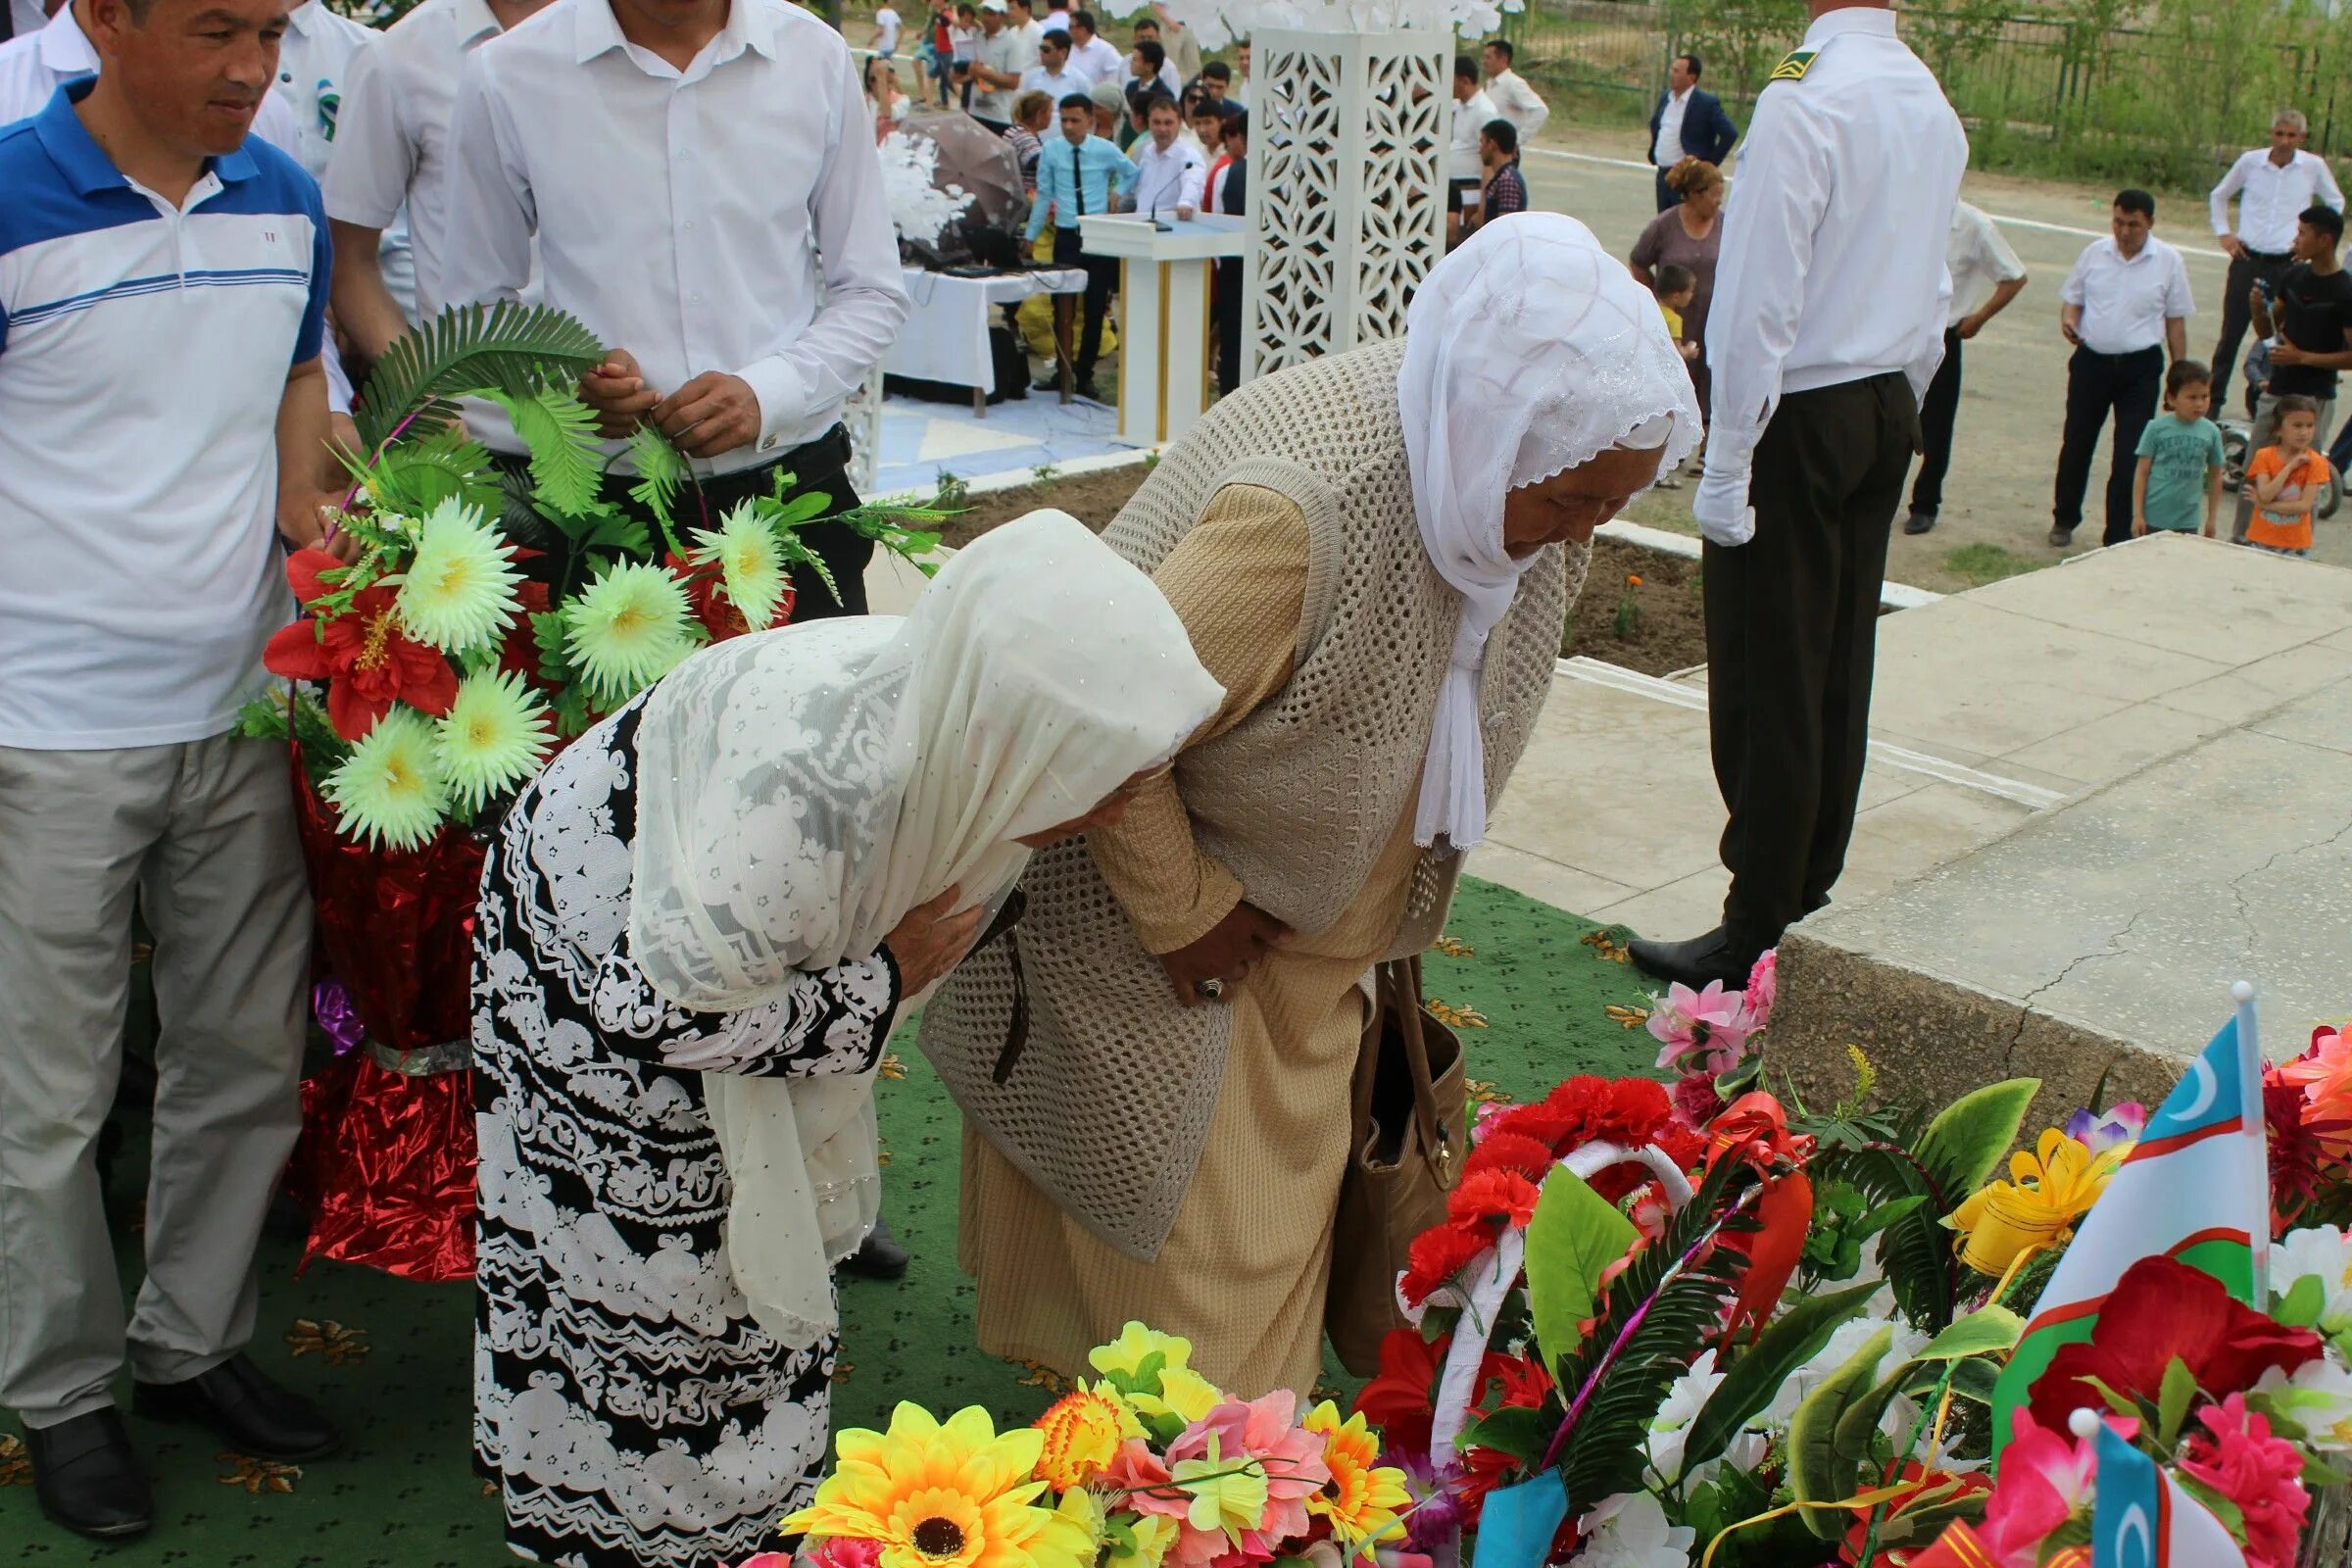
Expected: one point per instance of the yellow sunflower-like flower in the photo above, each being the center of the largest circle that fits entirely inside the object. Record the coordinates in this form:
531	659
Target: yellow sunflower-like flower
390	789
951	1495
495	735
2048	1191
1363	1497
750	561
1082	1431
458	591
627	629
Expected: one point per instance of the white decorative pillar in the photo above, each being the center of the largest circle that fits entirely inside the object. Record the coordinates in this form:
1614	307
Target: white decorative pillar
1349	134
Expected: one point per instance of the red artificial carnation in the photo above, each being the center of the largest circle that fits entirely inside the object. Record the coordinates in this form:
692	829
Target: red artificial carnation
712	607
1515	1151
1398	1398
1635	1108
1493	1198
366	661
2163	1310
1696	1101
1436	1255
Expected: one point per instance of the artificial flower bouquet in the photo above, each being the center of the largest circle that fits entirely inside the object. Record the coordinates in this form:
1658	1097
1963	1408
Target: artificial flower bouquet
1148	1466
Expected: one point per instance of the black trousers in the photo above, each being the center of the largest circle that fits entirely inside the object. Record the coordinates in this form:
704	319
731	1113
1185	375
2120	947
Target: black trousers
1101	278
1666	198
1229	325
1936	416
2237	316
1791	640
2129	384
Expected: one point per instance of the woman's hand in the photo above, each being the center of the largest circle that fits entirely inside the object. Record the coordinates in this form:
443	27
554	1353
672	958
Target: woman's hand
930	941
1232	947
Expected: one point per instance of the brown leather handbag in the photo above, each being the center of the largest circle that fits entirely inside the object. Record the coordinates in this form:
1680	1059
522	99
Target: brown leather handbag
1411	1134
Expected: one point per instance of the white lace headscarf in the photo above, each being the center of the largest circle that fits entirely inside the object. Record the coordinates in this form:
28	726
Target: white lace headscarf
1528	351
801	790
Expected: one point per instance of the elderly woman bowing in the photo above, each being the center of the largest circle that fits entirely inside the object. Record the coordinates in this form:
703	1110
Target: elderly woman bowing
695	927
1374	554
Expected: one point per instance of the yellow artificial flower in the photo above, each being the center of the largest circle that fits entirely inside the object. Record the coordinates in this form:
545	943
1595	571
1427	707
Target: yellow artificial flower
1363	1497
1136	1343
935	1495
1150	1535
1074	1533
1083	1432
1229	1496
2048	1191
1176	1392
1182	1394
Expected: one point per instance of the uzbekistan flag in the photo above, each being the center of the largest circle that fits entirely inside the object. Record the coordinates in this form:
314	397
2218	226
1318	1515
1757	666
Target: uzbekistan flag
2197	1188
2141	1518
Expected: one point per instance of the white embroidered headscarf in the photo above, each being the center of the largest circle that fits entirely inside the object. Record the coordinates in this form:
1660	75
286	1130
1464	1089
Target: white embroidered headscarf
801	790
1528	351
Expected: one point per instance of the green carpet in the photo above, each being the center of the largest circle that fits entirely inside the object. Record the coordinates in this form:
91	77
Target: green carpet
393	1359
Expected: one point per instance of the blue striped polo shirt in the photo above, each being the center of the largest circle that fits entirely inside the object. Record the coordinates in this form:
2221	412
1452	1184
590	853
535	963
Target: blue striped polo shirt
144	351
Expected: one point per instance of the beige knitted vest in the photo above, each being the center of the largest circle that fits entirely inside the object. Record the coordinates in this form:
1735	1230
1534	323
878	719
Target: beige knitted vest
1110	1103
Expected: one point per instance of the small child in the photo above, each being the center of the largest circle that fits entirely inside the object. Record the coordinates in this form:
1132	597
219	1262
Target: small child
2180	459
2286	480
1677	286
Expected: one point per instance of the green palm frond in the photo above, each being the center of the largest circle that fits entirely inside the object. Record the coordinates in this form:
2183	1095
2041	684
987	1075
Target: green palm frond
560	432
1915	1251
661	473
510	348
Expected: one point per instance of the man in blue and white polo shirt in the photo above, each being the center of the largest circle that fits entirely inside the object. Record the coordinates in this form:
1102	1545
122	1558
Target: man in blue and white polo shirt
162	419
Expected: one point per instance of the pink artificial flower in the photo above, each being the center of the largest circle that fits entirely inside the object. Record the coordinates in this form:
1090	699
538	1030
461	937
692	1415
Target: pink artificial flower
2260	1473
1696	1101
833	1551
1702	1031
1266	1430
2047	1476
779	1559
1144	1478
1763	988
1489	1114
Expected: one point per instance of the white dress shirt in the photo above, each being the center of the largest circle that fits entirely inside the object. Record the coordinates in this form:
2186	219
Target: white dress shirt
392	135
2127	302
1980	260
1517	103
1057	84
1667	150
1166	180
314	65
1097	60
1032	34
2269	198
1832	261
727	217
1471	116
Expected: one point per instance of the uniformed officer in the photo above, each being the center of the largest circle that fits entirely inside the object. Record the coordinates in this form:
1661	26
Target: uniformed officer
1826	328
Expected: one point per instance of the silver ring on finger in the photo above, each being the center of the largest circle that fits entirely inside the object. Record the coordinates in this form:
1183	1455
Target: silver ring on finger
1213	989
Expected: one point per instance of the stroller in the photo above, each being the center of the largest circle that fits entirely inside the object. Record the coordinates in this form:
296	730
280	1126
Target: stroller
2237	438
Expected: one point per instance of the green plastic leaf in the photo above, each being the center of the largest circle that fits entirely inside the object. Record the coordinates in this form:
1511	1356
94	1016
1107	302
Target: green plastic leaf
2231	1516
1885	1214
1966	1141
2122	1405
1575	1234
2172	1398
1819	1471
1514	1430
1792	1340
661	473
1860	1422
2305	1301
1988	1330
1975	1380
509	348
560	431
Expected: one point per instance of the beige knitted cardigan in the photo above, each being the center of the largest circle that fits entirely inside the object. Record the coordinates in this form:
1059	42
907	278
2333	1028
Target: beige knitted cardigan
1110	1101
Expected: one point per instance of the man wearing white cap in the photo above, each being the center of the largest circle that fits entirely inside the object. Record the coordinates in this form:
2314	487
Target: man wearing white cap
995	70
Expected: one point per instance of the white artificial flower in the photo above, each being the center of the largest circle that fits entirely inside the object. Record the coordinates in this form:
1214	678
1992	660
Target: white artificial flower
2320	1398
920	206
1629	1531
1845	1341
1670	1427
2323	1250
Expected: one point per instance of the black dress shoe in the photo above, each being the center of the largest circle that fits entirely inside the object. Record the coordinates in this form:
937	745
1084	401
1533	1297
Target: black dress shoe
247	1410
86	1478
881	1258
1713	956
1919	522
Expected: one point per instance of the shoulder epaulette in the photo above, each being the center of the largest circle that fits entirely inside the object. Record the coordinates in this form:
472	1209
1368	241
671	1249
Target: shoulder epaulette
1794	67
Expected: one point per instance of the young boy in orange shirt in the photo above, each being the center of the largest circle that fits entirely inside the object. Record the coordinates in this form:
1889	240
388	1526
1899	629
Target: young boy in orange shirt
2286	480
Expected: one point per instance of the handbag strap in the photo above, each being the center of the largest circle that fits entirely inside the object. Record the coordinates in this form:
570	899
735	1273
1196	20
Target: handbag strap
1436	1137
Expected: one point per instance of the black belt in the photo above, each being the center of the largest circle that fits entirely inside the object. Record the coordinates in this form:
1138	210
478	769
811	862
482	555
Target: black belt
807	463
2253	255
2129	353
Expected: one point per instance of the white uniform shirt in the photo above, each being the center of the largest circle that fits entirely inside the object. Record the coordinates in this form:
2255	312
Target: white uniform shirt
1832	260
314	65
1471	116
885	30
1056	84
1667	150
1097	60
1517	103
1166	182
1005	53
2127	302
392	134
2269	198
728	217
1980	260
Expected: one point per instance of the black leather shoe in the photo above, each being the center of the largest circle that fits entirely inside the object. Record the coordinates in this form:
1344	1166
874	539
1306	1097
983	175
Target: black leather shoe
87	1479
1919	522
1713	956
881	1258
247	1410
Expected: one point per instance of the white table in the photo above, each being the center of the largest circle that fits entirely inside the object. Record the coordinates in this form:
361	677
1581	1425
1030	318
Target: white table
945	337
1163	314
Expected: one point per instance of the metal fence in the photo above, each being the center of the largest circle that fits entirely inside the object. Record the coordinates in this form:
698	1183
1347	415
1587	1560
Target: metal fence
2148	102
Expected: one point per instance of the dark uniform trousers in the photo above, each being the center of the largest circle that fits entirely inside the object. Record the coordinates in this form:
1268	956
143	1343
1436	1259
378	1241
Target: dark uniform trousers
2131	385
1101	278
1791	639
1938	415
2237	314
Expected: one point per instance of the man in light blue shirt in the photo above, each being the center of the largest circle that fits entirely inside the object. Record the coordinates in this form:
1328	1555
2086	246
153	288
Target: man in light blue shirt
1079	174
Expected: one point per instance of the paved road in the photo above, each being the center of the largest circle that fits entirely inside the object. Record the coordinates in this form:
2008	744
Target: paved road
2006	449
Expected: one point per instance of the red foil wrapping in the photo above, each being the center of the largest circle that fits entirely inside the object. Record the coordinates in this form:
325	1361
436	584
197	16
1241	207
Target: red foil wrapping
386	1161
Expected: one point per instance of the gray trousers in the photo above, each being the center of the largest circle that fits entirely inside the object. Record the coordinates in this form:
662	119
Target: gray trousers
201	835
2266	434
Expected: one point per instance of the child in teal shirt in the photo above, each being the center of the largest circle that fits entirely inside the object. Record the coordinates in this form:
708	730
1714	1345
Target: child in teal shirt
2179	478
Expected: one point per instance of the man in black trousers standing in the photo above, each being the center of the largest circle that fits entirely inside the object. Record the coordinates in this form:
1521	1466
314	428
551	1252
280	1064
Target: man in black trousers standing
1687	121
1826	329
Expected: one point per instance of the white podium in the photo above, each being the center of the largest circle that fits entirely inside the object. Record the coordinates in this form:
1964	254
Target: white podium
1165	331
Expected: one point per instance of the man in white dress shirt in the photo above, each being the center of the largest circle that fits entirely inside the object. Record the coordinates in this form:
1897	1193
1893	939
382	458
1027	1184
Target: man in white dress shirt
313	68
2126	309
1168	173
1052	75
2272	185
1514	99
1465	171
1093	55
1824	330
392	153
1986	277
702	180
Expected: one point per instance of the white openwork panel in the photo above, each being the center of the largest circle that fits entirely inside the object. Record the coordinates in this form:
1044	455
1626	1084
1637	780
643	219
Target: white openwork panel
1347	193
863	417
